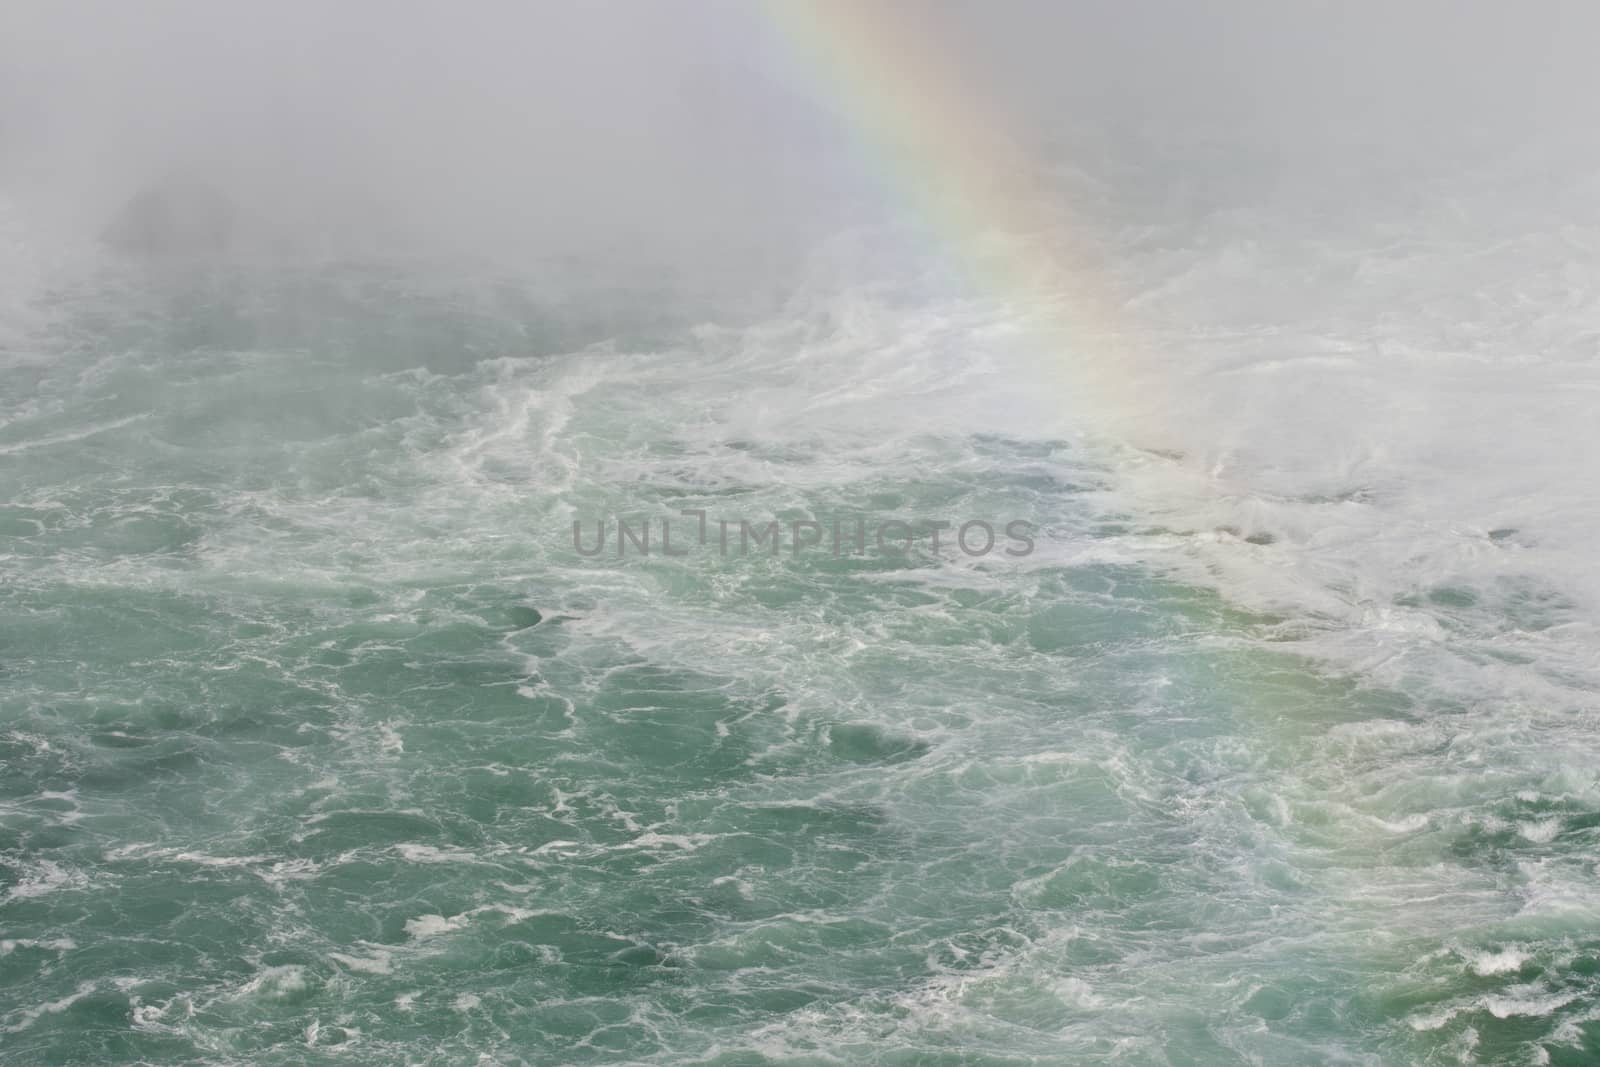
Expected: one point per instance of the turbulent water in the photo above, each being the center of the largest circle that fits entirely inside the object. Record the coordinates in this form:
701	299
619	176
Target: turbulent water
323	743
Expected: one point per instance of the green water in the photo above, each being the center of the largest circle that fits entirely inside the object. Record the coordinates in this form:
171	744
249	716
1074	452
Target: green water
321	743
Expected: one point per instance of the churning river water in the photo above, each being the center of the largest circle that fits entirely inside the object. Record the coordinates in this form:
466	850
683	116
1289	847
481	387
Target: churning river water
322	742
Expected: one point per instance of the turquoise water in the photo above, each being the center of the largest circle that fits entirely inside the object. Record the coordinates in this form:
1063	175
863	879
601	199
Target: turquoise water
323	745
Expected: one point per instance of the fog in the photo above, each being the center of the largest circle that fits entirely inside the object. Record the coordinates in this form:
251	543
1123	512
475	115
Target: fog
674	130
505	124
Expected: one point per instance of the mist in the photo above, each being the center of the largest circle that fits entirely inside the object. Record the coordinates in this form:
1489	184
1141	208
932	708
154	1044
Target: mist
508	128
663	131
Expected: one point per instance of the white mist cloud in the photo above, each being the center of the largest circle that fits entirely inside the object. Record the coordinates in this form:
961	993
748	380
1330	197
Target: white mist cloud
586	124
628	128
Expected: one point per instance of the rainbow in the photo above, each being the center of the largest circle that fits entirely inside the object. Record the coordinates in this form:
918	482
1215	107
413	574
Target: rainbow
941	147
